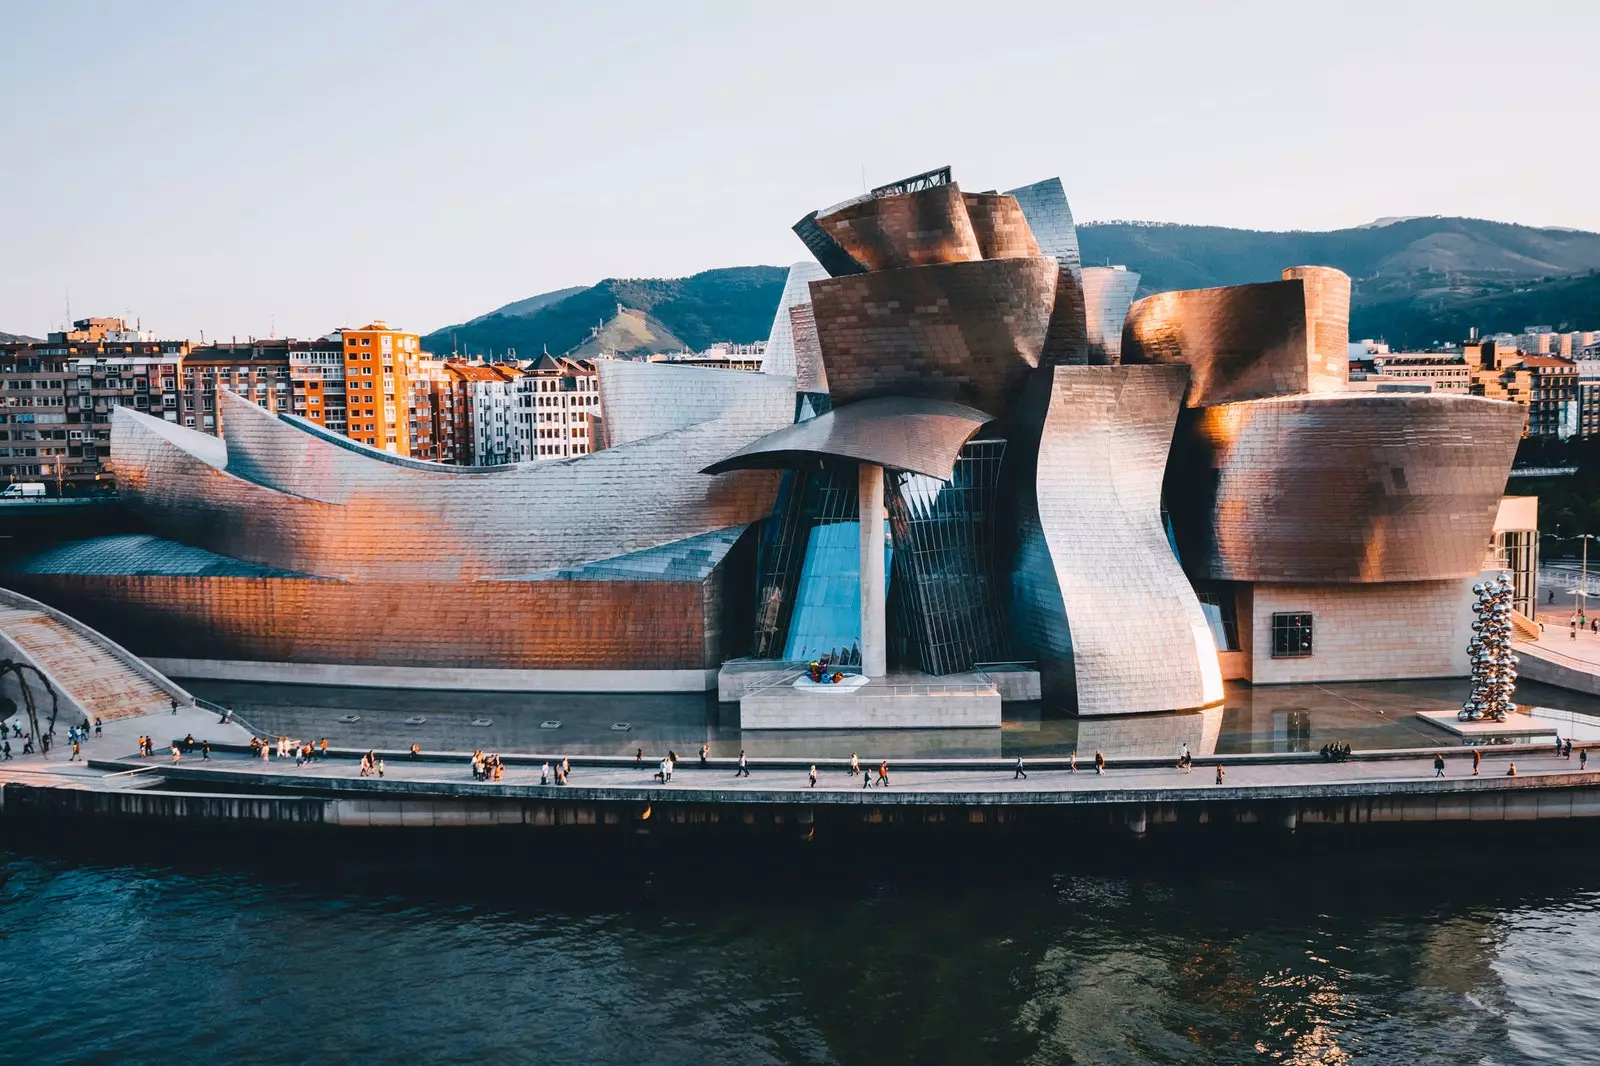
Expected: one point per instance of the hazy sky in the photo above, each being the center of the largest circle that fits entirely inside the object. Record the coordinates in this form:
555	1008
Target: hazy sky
231	167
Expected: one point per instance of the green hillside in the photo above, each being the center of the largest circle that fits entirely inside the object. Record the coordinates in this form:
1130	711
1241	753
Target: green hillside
1420	321
1406	258
730	304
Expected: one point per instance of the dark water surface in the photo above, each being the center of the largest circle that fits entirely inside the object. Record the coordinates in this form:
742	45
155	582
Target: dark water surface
1169	952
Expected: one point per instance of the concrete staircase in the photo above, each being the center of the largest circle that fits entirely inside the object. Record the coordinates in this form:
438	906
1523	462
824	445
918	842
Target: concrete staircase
96	679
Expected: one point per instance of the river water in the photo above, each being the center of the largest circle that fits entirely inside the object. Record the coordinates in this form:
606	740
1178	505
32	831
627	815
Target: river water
1173	951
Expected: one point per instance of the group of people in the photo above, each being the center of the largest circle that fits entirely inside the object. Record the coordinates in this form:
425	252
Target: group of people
303	751
1579	621
1336	752
559	772
486	767
371	764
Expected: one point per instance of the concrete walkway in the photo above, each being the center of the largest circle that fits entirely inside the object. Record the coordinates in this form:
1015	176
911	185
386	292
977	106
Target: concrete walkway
430	775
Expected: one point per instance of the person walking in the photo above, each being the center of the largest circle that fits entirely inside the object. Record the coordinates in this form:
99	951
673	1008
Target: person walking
1583	757
667	766
638	758
99	728
1219	773
866	778
855	764
1438	765
744	766
174	705
1477	761
205	751
813	775
1099	762
324	748
883	774
1569	749
5	750
544	774
1072	762
380	767
416	751
705	755
74	756
176	754
1020	772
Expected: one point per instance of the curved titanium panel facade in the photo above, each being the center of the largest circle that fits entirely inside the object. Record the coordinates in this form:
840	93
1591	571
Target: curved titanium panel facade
967	332
1341	488
905	229
1067	340
337	512
779	357
1096	589
1243	342
1328	316
901	433
643	399
1044	205
1107	294
1001	229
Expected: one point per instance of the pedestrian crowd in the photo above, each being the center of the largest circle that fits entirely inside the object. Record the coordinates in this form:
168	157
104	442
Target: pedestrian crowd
486	767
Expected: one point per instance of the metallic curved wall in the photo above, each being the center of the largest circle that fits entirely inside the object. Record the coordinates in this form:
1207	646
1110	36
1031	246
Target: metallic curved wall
899	432
905	229
1328	315
1107	294
1341	488
1096	590
1241	342
810	375
340	511
1001	229
1044	205
779	357
968	332
643	399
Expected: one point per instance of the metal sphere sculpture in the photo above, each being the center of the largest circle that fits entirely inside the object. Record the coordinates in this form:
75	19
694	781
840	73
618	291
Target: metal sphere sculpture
1494	668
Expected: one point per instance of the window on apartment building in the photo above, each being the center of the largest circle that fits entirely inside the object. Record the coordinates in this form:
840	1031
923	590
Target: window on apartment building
1291	635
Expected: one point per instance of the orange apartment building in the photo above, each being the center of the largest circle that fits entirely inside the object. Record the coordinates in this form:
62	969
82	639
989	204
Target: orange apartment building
382	374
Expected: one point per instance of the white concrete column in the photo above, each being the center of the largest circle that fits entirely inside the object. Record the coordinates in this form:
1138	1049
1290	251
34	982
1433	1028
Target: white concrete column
874	628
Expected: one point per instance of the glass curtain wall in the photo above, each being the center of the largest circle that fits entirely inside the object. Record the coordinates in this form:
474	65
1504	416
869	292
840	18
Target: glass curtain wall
809	604
945	600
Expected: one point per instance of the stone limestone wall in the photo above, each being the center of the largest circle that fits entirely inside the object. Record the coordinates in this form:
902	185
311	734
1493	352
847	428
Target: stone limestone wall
1373	632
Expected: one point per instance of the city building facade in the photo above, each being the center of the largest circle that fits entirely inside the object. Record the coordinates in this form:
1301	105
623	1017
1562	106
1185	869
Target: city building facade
59	395
1545	386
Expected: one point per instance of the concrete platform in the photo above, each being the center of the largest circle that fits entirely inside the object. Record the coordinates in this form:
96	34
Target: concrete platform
1518	725
1016	682
898	701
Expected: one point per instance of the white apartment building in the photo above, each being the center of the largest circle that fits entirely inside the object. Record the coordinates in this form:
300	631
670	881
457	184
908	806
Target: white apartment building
565	397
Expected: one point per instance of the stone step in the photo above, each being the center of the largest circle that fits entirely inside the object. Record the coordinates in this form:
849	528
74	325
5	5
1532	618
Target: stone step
95	678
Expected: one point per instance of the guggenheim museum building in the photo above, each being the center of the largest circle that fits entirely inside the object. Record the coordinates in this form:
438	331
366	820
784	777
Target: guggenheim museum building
965	450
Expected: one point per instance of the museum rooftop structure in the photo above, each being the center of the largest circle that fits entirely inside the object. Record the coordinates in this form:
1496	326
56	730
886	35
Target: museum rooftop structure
967	459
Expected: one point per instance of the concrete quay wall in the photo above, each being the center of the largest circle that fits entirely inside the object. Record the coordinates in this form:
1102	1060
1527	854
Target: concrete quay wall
367	804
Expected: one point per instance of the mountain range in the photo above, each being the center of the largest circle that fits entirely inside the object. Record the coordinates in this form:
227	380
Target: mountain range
1416	281
631	316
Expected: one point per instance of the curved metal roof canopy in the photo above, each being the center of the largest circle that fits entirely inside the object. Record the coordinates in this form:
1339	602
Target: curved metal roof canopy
902	432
